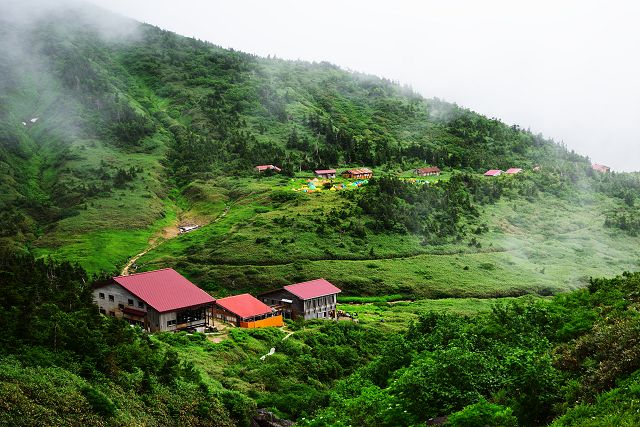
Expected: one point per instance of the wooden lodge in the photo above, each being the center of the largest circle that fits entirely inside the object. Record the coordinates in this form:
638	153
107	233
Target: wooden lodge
315	299
427	171
493	172
264	168
326	173
362	173
246	311
160	300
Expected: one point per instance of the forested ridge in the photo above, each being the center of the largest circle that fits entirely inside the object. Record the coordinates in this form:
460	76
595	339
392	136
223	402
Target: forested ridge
197	111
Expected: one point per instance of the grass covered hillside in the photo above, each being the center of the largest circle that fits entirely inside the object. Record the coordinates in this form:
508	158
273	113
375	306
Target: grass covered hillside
139	129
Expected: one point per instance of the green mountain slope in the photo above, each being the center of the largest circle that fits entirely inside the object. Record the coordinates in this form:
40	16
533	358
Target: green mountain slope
114	133
139	130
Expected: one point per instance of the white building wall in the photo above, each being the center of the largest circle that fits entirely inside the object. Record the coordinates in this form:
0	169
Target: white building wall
320	307
109	298
168	321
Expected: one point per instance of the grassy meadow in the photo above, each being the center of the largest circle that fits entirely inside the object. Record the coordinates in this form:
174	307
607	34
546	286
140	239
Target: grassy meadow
544	246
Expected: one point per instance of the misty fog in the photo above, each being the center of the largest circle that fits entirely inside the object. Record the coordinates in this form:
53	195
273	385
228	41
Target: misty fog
566	69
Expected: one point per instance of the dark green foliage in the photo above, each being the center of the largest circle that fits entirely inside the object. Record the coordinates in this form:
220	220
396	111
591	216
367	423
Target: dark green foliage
483	414
626	189
523	364
437	211
99	401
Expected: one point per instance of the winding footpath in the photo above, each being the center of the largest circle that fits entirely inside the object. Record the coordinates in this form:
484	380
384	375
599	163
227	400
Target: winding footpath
167	233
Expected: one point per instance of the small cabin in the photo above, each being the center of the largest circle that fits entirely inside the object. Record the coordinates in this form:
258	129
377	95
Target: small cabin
493	172
513	171
160	300
187	228
427	171
600	168
247	311
326	173
264	168
315	299
362	173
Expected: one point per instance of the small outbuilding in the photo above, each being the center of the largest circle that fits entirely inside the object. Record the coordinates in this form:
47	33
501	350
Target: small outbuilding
246	311
493	172
600	168
513	171
326	173
187	228
315	299
264	168
362	173
427	171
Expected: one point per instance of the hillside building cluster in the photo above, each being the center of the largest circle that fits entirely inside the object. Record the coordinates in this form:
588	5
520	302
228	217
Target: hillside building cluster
498	172
361	173
164	300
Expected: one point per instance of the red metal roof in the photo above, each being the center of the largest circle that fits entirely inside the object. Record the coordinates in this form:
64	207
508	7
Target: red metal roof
325	171
361	171
429	169
513	170
244	305
164	290
312	289
493	172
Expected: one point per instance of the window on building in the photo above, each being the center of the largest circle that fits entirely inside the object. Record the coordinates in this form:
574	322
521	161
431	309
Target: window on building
111	298
140	304
130	301
101	295
112	314
103	311
170	323
121	306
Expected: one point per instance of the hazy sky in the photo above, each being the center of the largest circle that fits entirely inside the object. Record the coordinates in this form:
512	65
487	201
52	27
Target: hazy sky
569	69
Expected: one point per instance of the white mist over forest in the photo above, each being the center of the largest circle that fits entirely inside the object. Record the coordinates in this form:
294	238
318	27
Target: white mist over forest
565	69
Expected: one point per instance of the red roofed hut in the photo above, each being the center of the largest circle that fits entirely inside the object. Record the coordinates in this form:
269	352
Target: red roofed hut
513	171
160	300
362	173
427	171
493	172
247	312
315	299
263	168
600	168
326	173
